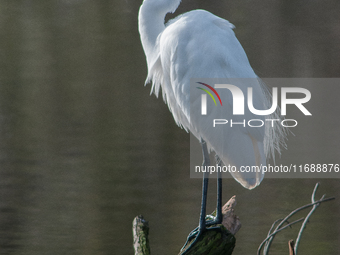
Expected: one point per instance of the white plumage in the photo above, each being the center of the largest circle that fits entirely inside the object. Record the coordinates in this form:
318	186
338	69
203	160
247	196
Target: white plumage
198	44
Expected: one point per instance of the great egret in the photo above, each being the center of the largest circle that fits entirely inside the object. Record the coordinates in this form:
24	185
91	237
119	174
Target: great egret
198	44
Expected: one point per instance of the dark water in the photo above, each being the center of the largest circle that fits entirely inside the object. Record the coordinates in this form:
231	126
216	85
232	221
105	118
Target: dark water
84	148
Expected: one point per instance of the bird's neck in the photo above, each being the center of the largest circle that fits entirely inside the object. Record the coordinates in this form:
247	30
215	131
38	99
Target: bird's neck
151	23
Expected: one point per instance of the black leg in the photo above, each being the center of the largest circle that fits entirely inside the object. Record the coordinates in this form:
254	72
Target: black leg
202	223
206	163
218	219
197	232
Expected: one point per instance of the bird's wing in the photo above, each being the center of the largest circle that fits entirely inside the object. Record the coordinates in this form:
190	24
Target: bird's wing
201	45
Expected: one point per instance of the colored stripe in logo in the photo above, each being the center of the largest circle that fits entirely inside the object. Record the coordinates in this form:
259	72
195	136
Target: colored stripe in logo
213	90
208	94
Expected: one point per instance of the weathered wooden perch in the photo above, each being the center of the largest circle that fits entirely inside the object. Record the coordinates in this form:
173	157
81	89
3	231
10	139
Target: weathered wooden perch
230	220
221	240
217	241
140	229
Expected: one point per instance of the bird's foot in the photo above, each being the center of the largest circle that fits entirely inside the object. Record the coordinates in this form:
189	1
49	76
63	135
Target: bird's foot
193	234
197	234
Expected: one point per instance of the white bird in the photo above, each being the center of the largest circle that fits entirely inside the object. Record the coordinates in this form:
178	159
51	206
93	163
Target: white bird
198	44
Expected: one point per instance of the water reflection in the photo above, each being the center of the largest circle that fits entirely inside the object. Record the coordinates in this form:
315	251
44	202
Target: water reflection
84	148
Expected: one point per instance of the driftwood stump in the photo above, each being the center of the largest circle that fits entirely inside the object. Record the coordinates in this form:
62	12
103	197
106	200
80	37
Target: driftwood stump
140	229
217	241
220	240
